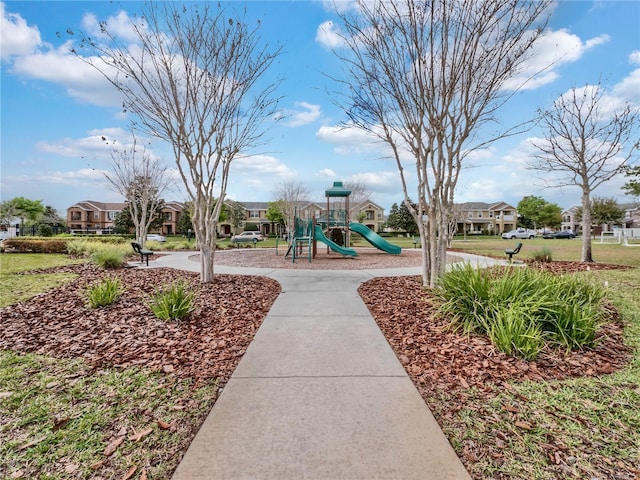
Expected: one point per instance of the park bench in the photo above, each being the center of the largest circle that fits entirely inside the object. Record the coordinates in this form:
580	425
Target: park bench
510	252
143	252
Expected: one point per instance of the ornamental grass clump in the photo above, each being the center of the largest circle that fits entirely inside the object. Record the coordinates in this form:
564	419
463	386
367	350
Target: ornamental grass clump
543	255
104	293
109	257
172	303
521	310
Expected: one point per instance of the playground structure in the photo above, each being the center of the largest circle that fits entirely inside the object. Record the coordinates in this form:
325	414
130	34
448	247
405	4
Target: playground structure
335	222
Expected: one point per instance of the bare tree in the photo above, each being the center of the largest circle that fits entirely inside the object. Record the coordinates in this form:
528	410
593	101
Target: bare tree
423	77
194	78
359	192
290	196
142	180
585	146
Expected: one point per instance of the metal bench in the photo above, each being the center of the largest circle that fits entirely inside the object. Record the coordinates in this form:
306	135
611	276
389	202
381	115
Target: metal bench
143	252
513	251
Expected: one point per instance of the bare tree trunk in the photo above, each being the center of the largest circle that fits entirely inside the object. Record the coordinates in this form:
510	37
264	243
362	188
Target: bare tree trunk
586	227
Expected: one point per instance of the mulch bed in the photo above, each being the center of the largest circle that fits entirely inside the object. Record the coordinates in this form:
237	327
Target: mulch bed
207	344
443	363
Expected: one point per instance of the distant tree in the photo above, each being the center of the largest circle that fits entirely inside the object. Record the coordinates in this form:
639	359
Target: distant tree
424	78
51	216
290	196
274	214
124	223
359	191
193	75
603	211
184	219
142	180
536	212
632	187
23	208
236	214
401	219
586	146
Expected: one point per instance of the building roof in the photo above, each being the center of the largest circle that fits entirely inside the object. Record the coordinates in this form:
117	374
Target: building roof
95	205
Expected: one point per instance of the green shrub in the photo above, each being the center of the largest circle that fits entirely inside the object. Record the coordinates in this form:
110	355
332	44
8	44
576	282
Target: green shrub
173	303
521	308
543	255
108	258
514	332
104	293
45	230
35	245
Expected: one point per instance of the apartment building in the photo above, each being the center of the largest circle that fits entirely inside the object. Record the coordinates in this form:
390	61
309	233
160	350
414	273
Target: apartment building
484	218
90	216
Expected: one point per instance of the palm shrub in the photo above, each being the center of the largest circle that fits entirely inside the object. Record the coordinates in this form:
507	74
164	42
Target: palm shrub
172	303
104	293
519	309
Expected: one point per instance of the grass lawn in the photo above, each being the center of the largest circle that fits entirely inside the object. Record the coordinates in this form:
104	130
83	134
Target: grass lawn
15	287
560	249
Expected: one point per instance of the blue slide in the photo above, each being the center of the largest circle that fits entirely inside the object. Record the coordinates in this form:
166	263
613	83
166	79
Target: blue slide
320	236
374	239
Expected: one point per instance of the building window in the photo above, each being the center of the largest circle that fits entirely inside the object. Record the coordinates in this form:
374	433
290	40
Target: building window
111	215
76	216
254	214
370	215
96	214
167	216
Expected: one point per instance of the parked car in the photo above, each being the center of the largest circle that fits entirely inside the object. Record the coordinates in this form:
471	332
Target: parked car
247	237
560	234
519	233
154	237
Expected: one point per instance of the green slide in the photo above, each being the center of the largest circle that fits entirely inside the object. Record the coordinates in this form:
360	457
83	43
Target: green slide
320	236
374	239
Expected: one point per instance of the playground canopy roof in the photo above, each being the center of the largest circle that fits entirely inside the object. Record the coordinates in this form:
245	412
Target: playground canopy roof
337	191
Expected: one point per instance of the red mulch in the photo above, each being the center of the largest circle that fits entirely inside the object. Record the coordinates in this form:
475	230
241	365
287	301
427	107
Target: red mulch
208	343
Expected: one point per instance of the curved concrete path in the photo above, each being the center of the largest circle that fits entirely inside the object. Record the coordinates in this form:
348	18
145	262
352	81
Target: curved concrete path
319	393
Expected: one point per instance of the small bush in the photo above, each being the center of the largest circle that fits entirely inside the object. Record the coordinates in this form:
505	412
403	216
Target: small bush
104	293
172	303
108	258
543	255
520	308
32	245
45	230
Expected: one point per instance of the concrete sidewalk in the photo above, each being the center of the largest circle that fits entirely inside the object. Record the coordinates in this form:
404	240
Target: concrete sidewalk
319	394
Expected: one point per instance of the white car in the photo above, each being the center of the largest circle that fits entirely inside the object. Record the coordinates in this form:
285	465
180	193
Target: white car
248	237
155	237
520	233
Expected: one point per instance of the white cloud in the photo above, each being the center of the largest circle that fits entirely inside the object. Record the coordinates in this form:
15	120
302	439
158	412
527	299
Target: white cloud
97	145
552	50
263	166
328	35
378	182
348	140
326	173
309	114
16	37
634	57
119	25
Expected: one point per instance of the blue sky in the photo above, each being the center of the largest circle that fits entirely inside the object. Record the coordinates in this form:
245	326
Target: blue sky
55	109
